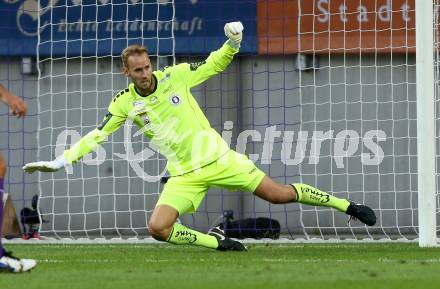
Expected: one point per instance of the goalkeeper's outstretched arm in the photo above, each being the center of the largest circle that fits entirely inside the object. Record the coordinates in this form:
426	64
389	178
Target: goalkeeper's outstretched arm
84	146
217	61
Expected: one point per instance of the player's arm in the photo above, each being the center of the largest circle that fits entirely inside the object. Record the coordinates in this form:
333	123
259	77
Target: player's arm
90	141
85	145
195	73
16	105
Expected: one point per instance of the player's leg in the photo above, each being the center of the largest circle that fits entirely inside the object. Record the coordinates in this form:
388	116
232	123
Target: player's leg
9	263
162	221
163	227
276	193
241	173
273	192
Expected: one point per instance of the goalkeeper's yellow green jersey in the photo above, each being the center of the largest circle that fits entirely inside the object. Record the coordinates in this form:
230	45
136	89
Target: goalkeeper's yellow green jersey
170	116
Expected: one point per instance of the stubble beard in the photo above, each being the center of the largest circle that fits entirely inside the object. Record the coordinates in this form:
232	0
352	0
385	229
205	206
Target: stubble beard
144	90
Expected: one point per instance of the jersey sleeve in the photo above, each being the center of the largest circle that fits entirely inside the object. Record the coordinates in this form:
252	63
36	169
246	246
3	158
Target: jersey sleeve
88	143
217	61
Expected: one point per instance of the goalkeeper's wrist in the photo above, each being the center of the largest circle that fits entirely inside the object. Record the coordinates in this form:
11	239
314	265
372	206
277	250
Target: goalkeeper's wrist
233	44
60	162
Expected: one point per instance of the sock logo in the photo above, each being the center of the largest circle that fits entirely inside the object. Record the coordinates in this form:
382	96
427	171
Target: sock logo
186	236
315	195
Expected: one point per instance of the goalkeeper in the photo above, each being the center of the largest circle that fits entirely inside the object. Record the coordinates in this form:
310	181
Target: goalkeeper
161	103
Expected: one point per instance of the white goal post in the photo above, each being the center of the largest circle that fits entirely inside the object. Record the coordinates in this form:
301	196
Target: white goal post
426	121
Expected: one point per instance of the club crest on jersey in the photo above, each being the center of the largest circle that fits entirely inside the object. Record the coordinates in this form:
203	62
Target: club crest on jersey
175	99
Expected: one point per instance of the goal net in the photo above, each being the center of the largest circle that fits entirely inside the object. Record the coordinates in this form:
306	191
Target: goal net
111	191
354	104
323	93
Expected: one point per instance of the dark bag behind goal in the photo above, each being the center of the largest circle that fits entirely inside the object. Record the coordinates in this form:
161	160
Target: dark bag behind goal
256	228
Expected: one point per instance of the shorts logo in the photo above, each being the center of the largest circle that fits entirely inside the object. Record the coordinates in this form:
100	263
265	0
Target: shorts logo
175	99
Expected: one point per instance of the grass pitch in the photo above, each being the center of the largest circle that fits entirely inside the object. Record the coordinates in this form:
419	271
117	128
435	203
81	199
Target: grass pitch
302	266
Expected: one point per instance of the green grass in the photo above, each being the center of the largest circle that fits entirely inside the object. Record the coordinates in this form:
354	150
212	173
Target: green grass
263	266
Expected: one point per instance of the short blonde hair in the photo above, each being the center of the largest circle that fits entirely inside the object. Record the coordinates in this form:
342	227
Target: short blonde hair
134	49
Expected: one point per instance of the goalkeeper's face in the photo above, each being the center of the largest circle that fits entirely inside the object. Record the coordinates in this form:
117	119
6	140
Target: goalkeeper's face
140	71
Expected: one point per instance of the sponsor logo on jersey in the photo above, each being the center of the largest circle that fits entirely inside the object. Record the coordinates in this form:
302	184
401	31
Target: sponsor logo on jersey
175	99
145	119
138	106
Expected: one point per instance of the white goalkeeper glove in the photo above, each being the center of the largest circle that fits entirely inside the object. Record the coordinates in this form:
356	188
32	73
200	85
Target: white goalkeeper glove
234	31
42	166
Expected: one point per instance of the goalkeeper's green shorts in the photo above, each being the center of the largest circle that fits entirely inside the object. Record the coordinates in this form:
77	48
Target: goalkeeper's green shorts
233	171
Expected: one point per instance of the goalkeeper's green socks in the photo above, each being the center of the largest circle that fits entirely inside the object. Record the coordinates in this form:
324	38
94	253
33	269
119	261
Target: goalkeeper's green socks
313	196
184	235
